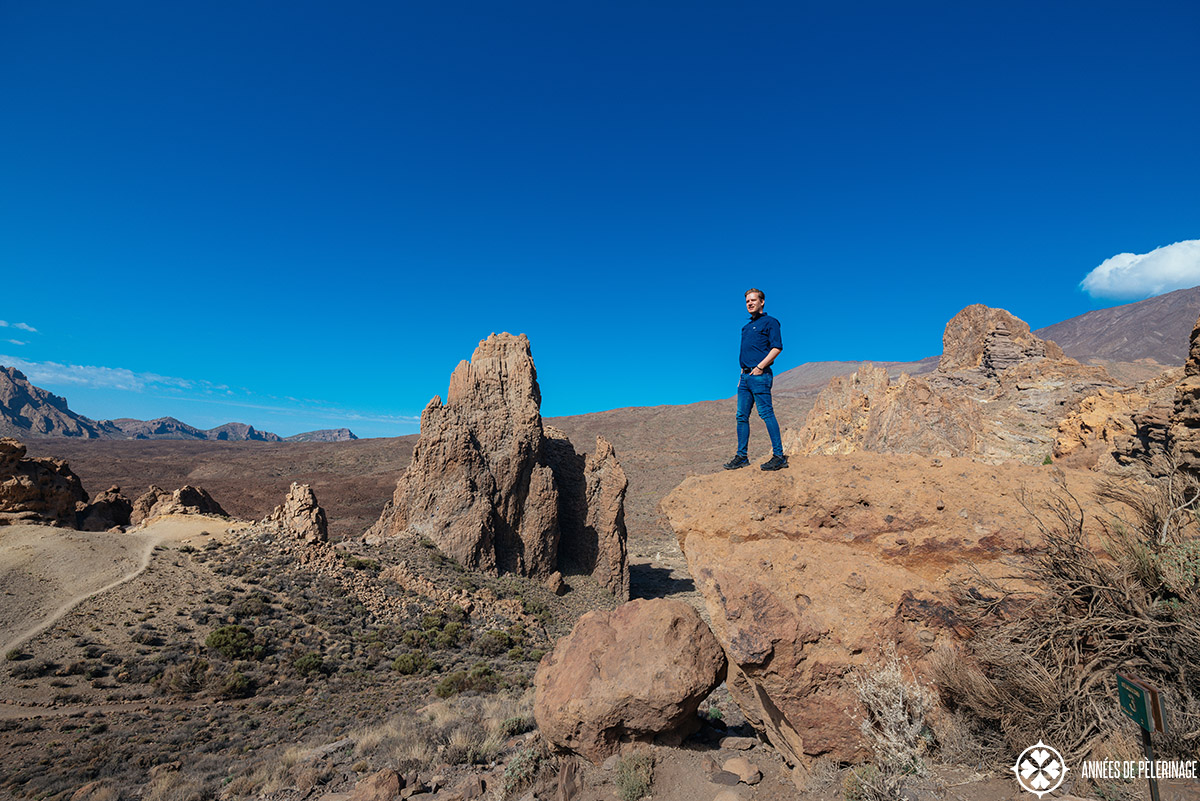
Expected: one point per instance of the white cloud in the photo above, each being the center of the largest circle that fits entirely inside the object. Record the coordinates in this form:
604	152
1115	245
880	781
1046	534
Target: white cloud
88	376
21	326
18	342
1143	275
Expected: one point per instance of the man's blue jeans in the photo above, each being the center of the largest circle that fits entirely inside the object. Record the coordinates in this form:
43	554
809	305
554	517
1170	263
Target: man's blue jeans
756	390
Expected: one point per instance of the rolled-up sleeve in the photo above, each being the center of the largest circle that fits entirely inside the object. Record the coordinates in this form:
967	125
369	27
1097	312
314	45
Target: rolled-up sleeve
774	334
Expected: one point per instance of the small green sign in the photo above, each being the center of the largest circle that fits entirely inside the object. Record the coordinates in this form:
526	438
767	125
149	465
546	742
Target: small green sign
1134	702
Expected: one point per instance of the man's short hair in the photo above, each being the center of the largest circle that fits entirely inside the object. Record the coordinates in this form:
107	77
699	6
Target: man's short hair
762	295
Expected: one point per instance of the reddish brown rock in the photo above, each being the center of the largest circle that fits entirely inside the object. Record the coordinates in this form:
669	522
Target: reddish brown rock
494	491
382	786
809	574
634	673
43	490
300	515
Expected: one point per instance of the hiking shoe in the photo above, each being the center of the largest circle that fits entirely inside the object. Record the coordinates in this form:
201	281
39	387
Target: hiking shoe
736	462
774	463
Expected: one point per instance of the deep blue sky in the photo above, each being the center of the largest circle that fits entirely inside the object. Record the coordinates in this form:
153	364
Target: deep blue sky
303	215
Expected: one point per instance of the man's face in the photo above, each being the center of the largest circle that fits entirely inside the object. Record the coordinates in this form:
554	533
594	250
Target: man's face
754	303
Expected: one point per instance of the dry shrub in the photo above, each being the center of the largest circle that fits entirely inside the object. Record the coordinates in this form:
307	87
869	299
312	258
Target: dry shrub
894	727
1041	664
461	730
173	786
634	775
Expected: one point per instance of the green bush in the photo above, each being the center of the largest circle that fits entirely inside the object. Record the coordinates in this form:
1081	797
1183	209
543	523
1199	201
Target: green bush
412	663
480	679
493	642
310	665
232	642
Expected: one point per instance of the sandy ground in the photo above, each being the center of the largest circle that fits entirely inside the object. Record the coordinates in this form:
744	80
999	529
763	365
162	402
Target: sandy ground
45	571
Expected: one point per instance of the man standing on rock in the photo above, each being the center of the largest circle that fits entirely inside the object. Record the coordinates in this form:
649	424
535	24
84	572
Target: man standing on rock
761	343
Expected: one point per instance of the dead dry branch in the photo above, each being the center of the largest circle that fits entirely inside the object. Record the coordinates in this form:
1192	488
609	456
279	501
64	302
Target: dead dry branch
1042	662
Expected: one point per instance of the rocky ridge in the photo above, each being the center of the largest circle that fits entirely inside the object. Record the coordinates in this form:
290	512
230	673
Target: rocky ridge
999	393
37	490
494	491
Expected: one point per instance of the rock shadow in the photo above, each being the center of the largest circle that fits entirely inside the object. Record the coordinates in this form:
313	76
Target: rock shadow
647	581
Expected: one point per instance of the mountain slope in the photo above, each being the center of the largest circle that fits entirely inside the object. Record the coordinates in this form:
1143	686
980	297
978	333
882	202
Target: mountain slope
29	411
1156	328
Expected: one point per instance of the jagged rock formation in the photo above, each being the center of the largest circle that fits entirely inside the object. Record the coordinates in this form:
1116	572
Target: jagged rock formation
29	411
324	435
1111	429
591	510
109	509
482	483
865	411
300	515
807	575
1156	425
37	490
186	500
601	685
991	340
999	393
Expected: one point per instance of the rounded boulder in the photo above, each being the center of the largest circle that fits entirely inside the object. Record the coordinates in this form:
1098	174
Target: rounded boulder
637	672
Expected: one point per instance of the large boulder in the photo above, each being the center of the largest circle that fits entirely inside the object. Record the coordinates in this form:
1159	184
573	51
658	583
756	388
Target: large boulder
809	574
488	488
635	673
300	515
42	489
187	500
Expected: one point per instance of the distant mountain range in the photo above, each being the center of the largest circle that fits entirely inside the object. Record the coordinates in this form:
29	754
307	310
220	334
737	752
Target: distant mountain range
28	411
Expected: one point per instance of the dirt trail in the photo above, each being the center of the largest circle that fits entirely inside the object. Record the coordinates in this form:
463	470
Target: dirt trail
46	571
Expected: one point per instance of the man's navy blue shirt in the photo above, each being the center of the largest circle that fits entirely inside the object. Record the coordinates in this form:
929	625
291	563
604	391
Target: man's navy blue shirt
758	337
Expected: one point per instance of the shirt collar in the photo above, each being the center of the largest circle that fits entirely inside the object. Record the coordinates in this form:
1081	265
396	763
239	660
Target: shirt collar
754	317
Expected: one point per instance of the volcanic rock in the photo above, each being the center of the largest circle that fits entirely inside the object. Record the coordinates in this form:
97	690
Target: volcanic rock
300	515
865	411
998	394
991	340
109	509
186	500
634	673
37	489
591	511
29	411
491	490
809	574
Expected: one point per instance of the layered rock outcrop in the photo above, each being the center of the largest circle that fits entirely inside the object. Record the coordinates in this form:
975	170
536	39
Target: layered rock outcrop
186	500
999	393
810	573
482	484
37	490
602	685
300	515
